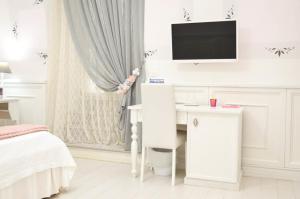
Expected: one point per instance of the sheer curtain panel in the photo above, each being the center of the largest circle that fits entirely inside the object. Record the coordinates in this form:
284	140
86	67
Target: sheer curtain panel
78	111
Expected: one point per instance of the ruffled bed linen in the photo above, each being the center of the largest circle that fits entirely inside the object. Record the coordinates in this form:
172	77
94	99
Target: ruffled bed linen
39	185
27	155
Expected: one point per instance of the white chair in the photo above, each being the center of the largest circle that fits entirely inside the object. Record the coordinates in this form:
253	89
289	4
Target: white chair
159	122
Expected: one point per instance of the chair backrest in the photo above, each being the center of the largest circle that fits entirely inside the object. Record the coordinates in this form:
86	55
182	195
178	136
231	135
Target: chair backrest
159	116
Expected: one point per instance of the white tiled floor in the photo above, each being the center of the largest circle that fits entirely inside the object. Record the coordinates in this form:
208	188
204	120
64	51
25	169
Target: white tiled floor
104	180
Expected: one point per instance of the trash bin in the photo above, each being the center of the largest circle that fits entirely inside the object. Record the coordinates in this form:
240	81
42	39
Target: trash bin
161	160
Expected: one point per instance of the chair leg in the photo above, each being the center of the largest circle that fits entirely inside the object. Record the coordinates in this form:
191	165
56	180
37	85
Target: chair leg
143	164
173	166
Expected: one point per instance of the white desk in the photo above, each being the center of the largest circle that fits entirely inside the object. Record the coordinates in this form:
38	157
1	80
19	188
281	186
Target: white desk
13	108
182	118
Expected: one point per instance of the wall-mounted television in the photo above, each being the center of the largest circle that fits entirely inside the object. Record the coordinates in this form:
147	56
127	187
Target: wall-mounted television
204	42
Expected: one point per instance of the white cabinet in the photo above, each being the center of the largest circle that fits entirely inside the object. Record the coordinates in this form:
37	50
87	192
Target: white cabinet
31	100
263	123
292	157
214	147
9	112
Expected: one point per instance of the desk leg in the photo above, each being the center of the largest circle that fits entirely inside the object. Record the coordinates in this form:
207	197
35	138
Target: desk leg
134	144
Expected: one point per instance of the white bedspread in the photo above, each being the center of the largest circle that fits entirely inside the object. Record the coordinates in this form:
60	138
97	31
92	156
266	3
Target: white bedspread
25	155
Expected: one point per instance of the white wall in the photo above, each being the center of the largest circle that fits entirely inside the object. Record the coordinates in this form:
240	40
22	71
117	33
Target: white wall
23	52
268	23
262	24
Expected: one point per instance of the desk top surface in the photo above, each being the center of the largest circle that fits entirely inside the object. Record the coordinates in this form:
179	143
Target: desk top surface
197	108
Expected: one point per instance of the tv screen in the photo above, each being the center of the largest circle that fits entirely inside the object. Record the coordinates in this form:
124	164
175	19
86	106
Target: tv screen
204	41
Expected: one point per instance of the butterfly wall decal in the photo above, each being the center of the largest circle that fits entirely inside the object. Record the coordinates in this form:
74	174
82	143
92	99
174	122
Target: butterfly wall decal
280	51
230	13
43	56
15	30
186	15
150	53
37	2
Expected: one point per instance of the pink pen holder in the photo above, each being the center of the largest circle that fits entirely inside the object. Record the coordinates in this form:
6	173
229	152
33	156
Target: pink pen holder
213	102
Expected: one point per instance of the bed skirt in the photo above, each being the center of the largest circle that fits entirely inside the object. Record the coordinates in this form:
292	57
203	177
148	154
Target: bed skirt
39	185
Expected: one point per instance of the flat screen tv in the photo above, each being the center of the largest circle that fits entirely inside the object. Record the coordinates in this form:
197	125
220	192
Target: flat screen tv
205	42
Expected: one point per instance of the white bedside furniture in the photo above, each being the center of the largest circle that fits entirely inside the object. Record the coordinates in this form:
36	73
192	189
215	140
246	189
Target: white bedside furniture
214	139
12	108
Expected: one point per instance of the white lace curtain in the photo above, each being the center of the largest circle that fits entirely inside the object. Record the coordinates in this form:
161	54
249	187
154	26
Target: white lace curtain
78	111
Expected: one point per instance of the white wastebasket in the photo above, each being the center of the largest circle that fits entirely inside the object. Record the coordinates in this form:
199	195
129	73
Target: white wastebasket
161	160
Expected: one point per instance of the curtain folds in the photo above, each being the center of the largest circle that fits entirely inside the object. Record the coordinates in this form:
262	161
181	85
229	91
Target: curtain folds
78	111
109	38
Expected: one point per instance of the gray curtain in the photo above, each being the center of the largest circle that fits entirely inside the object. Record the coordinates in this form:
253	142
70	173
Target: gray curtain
109	38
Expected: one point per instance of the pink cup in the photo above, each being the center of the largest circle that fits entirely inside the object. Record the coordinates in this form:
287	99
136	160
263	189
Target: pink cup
213	102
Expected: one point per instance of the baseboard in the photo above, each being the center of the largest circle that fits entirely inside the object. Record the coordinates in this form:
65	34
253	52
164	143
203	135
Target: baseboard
284	174
101	155
212	184
112	156
124	157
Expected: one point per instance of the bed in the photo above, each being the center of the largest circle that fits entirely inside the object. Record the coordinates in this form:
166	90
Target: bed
34	166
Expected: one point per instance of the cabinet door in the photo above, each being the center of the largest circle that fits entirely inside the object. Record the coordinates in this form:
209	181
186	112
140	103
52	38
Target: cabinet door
263	123
213	147
292	159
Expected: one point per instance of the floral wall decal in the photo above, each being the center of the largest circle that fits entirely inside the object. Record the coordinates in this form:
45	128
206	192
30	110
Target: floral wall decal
230	13
150	53
37	2
280	51
186	15
43	56
15	30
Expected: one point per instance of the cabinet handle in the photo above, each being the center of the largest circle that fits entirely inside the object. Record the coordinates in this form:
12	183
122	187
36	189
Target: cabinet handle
195	122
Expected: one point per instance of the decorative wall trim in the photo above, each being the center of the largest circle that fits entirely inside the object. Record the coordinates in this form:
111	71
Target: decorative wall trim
150	53
37	2
15	30
191	95
21	96
26	82
240	85
292	158
257	90
285	174
263	148
101	155
266	129
43	56
280	51
292	121
186	15
230	14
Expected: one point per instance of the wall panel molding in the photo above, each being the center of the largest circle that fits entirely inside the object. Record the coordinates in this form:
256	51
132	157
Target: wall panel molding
292	157
264	123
